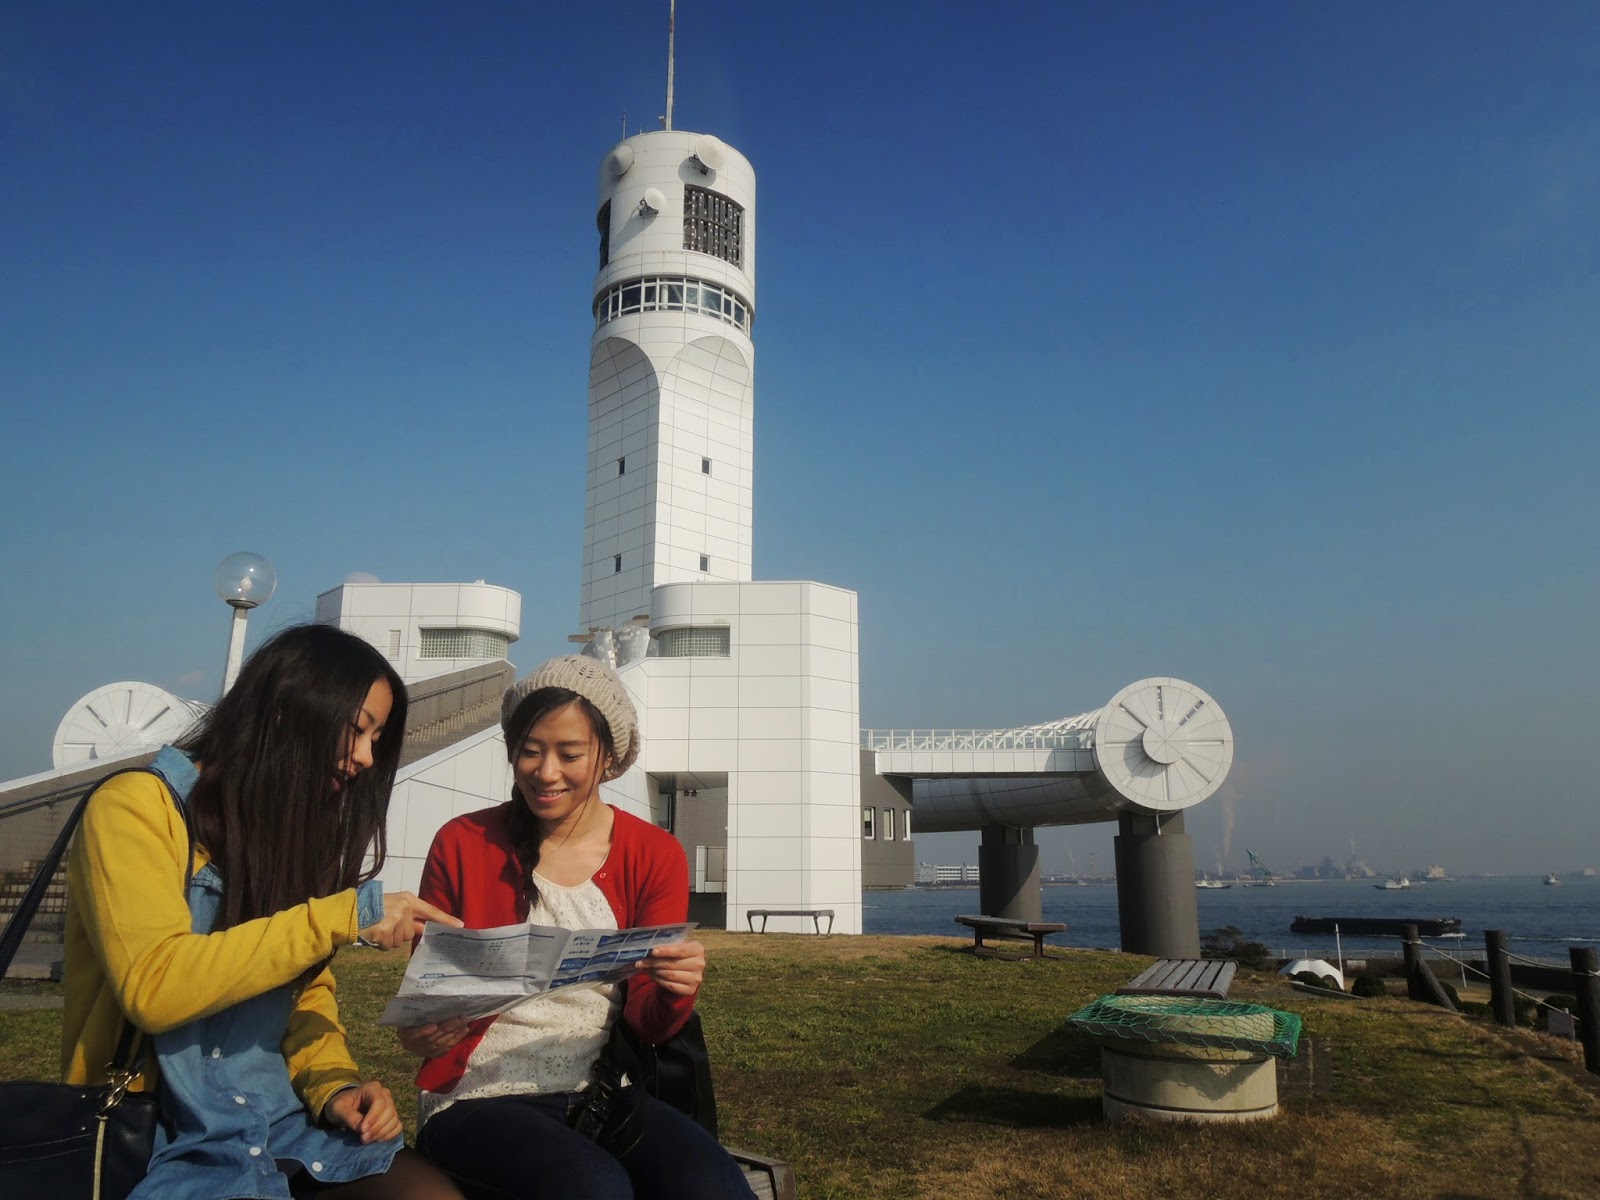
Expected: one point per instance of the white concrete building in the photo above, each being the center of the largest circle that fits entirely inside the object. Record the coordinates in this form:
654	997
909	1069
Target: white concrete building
427	629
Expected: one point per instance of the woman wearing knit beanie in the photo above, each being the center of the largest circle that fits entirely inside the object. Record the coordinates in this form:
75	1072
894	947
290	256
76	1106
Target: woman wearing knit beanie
498	1095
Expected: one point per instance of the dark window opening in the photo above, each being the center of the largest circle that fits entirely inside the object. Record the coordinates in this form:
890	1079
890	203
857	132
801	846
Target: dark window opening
713	224
603	220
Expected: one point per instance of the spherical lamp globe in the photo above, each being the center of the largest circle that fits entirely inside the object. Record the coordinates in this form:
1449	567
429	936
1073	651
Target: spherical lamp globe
245	580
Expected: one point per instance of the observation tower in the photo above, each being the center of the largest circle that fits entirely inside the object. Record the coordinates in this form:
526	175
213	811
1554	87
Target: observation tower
746	689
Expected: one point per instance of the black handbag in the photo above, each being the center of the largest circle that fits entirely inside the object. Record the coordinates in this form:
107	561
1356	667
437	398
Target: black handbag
676	1072
66	1142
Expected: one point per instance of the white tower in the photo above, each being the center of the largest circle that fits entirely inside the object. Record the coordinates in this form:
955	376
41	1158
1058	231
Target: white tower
671	396
748	697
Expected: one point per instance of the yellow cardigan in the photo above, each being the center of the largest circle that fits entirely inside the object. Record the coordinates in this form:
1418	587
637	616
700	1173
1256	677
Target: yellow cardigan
129	948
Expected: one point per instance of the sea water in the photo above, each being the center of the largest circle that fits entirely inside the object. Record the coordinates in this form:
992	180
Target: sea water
1540	920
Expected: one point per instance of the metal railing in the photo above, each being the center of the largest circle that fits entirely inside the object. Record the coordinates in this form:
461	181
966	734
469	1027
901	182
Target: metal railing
1063	735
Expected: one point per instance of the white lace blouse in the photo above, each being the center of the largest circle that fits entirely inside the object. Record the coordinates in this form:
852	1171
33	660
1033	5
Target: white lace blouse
550	1042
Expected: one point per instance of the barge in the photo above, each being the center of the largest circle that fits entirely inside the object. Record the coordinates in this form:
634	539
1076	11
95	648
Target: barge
1378	926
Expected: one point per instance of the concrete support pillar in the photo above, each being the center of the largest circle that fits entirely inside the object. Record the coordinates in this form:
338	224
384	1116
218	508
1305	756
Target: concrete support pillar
1008	874
1155	886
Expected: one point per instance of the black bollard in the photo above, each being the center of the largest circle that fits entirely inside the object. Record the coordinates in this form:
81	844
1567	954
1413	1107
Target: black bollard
1421	983
1586	986
1498	956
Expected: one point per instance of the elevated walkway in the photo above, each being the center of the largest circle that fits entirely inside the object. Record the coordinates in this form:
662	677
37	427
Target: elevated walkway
1157	747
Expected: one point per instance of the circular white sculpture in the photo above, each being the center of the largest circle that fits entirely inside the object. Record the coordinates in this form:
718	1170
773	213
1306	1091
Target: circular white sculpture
119	720
1163	744
1158	746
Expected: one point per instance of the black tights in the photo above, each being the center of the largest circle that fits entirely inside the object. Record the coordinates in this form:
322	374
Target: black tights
410	1177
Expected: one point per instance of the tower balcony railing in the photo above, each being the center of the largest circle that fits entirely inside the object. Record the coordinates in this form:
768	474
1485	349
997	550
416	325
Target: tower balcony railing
1063	735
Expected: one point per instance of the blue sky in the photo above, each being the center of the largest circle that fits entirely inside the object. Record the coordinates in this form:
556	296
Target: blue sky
1251	344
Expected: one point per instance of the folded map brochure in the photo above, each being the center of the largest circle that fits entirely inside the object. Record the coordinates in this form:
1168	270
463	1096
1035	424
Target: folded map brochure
479	972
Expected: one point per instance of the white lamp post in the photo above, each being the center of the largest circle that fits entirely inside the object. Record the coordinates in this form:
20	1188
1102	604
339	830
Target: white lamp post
244	580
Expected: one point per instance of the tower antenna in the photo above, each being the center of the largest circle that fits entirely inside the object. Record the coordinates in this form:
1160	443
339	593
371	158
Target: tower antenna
672	33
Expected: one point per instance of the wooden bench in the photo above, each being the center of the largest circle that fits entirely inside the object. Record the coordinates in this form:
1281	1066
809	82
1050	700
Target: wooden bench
816	915
769	1178
1200	977
1008	927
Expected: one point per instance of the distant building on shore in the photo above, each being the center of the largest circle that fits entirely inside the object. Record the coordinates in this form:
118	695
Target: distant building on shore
941	875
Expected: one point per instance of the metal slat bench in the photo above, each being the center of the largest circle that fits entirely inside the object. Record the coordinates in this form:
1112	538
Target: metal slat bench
1198	977
1007	927
816	915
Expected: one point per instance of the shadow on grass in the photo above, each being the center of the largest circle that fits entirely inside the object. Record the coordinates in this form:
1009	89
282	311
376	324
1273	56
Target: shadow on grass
1011	953
1015	1108
1062	1051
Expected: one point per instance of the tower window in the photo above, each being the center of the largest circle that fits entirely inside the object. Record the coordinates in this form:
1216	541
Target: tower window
705	562
603	220
616	564
867	831
705	466
622	464
659	293
713	224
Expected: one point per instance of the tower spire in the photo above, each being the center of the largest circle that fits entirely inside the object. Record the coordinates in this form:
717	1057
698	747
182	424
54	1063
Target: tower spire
672	33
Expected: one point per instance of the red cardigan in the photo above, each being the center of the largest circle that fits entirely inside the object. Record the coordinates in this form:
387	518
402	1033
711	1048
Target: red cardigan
472	873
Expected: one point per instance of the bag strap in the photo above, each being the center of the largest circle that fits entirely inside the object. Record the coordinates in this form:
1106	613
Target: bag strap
11	939
128	1060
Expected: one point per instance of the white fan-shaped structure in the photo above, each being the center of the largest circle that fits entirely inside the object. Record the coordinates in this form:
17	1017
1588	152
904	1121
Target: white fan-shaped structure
1158	746
119	720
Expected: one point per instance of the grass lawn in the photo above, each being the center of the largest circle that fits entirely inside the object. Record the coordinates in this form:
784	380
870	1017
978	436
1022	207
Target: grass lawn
905	1067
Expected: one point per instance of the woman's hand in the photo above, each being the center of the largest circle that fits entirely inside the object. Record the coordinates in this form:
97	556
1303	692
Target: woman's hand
677	968
403	915
430	1041
368	1110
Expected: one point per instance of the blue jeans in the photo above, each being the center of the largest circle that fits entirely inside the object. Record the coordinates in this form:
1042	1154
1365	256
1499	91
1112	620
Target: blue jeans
521	1148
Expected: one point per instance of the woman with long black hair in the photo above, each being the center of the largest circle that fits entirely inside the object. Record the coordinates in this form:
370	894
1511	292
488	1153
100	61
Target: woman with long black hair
206	899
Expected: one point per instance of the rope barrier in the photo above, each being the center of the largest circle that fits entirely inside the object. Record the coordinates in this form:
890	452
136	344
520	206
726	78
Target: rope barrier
1467	966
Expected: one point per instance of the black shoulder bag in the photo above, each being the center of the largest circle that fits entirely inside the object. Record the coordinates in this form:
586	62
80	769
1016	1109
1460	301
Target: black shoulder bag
676	1072
69	1142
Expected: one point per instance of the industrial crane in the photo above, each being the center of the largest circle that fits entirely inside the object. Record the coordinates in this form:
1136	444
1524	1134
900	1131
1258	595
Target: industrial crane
1260	876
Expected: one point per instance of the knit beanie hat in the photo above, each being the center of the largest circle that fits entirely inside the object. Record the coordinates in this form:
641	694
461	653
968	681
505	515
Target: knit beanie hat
596	683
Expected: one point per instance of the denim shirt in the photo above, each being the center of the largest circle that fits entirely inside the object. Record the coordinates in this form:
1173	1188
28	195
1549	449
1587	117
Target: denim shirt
231	1123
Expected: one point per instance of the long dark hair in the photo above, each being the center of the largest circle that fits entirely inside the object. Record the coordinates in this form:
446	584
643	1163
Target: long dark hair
265	807
524	830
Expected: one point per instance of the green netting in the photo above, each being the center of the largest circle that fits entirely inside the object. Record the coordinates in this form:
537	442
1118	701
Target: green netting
1218	1024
